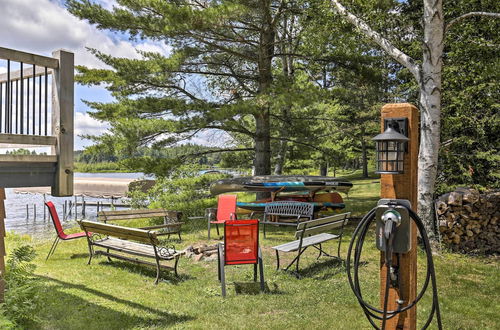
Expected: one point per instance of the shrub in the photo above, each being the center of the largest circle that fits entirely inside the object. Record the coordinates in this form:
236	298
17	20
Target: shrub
21	294
185	191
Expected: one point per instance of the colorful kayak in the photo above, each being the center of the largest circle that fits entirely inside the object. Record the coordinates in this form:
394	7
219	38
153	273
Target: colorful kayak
281	183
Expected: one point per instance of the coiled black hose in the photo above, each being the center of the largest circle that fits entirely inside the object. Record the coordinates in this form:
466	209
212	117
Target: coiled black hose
372	313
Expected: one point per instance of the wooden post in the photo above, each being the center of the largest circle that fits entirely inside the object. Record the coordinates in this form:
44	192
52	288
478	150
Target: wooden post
402	186
62	122
2	244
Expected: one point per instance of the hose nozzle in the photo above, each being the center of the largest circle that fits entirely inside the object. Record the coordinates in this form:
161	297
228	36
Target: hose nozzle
392	220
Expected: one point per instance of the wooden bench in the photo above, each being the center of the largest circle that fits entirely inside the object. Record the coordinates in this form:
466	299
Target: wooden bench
131	241
276	213
313	233
171	223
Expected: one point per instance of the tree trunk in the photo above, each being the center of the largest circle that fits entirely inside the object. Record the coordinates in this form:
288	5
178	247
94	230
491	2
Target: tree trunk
262	122
288	72
262	145
364	157
430	104
280	157
323	170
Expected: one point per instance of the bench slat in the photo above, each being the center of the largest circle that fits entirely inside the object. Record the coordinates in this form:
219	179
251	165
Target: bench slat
132	248
320	221
119	231
129	216
107	216
174	226
294	224
321	229
139	211
307	241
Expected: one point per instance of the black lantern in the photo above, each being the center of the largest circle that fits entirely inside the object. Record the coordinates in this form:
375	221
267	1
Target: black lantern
390	149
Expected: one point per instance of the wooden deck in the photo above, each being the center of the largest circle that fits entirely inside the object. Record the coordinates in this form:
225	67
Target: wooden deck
36	110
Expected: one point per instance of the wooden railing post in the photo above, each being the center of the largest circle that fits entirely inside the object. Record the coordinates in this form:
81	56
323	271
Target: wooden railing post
62	122
402	186
2	244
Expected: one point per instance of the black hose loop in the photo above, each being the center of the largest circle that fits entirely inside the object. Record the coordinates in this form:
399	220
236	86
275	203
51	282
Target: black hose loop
372	313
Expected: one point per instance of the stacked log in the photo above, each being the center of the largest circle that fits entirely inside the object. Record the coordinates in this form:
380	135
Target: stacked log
201	252
469	222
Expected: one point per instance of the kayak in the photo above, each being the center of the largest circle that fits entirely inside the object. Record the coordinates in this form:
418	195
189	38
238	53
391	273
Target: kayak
281	183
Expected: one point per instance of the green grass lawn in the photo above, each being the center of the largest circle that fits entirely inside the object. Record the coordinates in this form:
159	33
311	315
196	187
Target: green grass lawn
120	295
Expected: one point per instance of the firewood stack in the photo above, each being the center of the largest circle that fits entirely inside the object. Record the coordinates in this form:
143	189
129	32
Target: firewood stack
469	221
202	252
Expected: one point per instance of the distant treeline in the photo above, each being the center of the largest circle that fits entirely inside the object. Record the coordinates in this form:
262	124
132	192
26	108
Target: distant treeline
22	151
103	162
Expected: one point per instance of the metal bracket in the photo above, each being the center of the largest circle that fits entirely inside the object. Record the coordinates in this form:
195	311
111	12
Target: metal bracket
402	127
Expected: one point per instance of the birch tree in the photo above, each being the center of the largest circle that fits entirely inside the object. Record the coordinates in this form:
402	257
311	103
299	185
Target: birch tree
428	76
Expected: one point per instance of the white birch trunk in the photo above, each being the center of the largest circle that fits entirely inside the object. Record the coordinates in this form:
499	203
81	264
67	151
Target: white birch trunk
428	77
430	109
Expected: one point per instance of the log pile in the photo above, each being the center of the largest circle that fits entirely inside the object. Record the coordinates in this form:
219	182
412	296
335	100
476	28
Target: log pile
469	221
201	252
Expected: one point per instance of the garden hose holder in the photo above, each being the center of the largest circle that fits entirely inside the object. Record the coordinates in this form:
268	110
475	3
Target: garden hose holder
393	237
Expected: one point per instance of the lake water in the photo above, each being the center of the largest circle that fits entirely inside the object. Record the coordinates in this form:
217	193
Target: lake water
18	222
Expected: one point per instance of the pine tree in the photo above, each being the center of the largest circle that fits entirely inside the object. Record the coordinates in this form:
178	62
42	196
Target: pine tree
218	76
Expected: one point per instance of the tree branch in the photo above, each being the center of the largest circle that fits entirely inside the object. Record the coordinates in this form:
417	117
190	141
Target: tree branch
385	44
196	154
473	13
312	146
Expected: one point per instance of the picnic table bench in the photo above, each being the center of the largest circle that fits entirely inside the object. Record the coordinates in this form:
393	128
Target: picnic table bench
286	213
171	219
139	243
313	233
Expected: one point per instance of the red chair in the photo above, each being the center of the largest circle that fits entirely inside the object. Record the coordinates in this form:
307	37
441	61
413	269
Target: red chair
241	247
226	210
59	230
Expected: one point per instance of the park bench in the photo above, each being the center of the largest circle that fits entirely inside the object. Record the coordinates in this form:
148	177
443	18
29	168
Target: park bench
171	223
286	213
313	233
103	238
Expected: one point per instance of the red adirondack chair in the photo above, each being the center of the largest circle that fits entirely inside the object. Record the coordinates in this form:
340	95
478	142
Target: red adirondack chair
241	247
59	229
226	210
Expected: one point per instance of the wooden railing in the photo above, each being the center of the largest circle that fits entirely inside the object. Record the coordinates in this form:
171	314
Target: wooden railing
36	109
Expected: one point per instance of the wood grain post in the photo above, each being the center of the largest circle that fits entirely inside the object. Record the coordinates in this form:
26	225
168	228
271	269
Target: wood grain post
62	122
2	243
402	186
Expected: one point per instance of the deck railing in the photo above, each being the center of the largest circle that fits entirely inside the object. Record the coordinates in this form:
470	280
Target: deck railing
36	109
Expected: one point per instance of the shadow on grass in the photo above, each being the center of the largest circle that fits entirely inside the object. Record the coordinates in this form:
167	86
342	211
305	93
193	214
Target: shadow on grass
150	271
335	266
63	310
79	256
251	288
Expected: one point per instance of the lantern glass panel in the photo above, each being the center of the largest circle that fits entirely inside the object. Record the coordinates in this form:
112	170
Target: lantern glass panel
390	157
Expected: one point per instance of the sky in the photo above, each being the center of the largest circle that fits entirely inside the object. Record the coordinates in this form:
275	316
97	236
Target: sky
42	26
